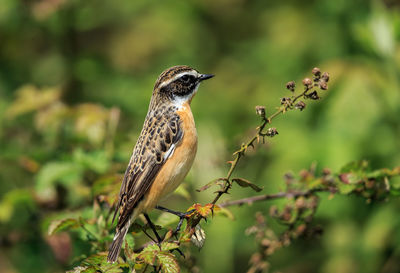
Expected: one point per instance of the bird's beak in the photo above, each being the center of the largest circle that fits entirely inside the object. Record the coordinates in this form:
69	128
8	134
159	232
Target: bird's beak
205	77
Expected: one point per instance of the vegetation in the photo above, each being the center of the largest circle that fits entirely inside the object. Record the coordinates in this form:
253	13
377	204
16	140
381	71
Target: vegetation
75	82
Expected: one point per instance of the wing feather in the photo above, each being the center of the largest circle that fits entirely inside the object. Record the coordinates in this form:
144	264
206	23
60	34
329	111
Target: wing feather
161	132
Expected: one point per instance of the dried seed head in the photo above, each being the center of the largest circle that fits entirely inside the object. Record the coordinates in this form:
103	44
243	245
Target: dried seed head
325	77
307	82
323	85
313	95
260	110
291	85
286	101
316	71
300	105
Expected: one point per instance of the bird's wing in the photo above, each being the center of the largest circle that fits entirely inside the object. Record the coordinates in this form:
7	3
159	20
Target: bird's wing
160	134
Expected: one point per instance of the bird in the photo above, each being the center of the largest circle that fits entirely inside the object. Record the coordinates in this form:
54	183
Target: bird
164	151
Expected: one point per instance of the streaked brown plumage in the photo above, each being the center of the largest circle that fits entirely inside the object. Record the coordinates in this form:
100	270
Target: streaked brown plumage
164	151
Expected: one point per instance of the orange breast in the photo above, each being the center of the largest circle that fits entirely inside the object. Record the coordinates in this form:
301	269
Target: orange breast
178	165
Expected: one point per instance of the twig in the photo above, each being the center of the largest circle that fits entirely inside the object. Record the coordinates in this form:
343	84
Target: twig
239	153
250	200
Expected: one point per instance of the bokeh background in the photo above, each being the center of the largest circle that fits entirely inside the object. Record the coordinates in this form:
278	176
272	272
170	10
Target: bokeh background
76	78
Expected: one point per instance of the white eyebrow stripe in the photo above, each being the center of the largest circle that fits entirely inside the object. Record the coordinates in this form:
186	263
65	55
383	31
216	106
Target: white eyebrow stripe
191	73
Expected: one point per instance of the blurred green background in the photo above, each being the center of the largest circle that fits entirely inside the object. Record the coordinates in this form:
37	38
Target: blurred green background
76	78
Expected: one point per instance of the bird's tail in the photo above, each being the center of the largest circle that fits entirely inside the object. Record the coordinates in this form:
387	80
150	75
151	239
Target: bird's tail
116	245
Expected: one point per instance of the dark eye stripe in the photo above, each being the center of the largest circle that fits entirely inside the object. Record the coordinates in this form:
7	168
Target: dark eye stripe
187	78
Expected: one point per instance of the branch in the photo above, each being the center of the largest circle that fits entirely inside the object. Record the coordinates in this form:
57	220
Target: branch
287	103
266	197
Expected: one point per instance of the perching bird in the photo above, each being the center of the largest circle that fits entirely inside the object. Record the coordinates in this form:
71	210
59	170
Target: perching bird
164	151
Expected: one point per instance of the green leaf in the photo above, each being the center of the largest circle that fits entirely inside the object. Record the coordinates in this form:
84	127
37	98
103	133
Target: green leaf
246	183
12	199
130	240
99	263
225	212
64	224
96	161
148	256
355	166
346	188
166	246
395	192
350	178
67	173
128	245
168	262
81	269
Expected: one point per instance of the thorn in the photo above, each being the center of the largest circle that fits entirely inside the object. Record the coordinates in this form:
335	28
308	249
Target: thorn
180	252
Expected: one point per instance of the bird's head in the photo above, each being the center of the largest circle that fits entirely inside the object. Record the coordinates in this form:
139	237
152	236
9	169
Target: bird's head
178	84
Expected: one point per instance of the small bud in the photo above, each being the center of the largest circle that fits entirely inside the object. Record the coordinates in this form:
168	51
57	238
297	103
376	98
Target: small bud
287	213
271	132
265	242
307	82
301	229
300	105
369	184
291	85
273	211
260	110
260	218
300	203
325	77
316	71
288	178
323	85
326	171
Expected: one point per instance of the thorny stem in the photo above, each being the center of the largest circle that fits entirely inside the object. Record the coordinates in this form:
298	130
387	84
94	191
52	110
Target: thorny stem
239	153
265	197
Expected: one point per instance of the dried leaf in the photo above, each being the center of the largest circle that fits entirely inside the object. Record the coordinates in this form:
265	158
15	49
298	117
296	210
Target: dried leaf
199	237
202	210
211	183
246	183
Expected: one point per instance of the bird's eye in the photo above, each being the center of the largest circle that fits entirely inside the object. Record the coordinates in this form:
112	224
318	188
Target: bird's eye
185	78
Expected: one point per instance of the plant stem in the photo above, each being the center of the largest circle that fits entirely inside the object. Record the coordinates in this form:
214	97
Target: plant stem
250	200
239	153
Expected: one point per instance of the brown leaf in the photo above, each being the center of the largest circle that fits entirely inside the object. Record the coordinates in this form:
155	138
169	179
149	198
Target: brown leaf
246	183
